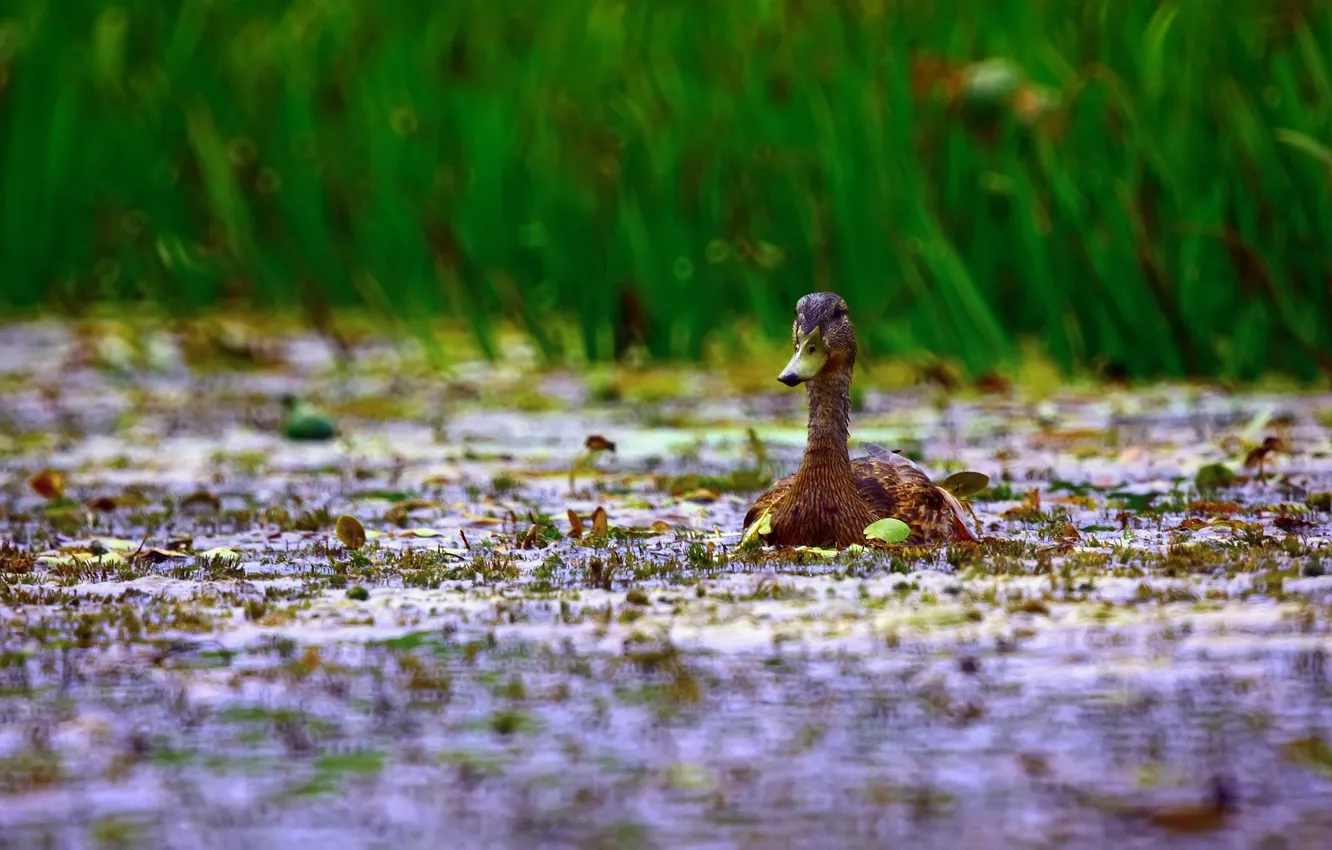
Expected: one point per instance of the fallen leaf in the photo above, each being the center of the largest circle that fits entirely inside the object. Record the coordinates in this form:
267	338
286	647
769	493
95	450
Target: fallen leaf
826	553
600	524
889	530
158	556
598	443
761	528
422	532
350	532
117	544
201	499
49	484
964	484
478	520
575	525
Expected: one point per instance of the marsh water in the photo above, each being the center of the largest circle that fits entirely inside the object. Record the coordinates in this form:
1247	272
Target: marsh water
190	656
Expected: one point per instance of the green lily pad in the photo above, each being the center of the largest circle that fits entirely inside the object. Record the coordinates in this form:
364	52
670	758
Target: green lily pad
889	530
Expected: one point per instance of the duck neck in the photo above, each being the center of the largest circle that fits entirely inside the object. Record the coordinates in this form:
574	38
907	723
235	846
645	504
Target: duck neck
826	459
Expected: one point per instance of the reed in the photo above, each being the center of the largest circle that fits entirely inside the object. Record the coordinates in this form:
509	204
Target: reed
1137	182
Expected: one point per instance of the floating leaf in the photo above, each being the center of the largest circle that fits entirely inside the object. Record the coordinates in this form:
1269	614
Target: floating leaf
600	524
1214	476
761	527
825	553
49	484
889	530
964	484
223	553
158	556
117	544
351	532
201	499
478	520
423	532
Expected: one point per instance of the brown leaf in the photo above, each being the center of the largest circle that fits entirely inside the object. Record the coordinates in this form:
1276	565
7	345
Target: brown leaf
702	494
661	527
598	443
350	532
49	484
158	556
1208	508
201	499
1291	523
600	523
575	525
530	537
994	384
104	504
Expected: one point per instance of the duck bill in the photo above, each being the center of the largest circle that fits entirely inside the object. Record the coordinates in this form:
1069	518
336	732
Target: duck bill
809	359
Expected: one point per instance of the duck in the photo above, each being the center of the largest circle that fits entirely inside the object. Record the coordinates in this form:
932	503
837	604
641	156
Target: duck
831	498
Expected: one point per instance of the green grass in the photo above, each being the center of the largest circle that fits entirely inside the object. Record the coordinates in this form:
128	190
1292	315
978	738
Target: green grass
524	160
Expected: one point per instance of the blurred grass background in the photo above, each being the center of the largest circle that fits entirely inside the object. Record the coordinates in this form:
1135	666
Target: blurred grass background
1130	182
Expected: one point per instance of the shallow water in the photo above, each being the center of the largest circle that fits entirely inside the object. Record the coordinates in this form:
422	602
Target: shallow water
1079	679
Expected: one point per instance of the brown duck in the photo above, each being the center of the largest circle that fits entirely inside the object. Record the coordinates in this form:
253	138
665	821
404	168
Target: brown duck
831	498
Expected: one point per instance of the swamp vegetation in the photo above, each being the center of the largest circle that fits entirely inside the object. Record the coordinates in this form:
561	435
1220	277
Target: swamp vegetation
514	605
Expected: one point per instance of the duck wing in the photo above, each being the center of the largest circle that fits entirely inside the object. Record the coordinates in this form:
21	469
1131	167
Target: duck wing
894	486
768	500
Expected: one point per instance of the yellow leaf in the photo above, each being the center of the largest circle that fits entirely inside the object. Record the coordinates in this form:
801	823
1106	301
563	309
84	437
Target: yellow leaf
49	484
760	528
964	484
